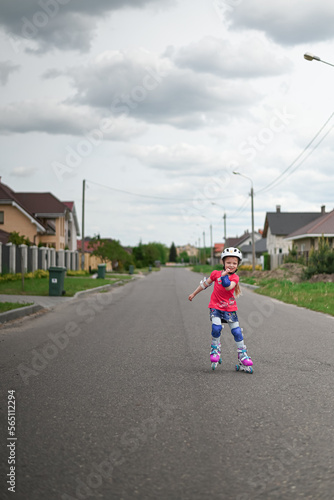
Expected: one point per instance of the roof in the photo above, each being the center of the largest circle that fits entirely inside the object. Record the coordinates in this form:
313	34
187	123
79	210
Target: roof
323	225
218	248
42	204
7	195
260	246
284	223
237	241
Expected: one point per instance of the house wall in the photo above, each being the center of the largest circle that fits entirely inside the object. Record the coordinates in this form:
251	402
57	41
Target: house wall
15	220
55	240
277	244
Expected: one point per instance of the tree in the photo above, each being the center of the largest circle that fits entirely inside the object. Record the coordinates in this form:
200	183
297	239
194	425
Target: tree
110	251
147	255
172	253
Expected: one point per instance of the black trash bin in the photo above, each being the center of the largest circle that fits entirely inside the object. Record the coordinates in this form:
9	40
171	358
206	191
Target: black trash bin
131	269
101	271
56	280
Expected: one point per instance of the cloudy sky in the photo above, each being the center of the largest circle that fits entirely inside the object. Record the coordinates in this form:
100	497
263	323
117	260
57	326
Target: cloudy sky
156	102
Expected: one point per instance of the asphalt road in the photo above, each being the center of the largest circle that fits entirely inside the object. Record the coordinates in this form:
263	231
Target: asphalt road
115	399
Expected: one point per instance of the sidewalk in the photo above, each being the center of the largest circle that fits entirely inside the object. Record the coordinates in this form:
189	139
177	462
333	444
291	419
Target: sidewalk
40	302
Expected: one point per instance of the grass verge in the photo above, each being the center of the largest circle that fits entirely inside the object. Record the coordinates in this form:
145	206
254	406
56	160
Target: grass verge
40	286
315	296
9	306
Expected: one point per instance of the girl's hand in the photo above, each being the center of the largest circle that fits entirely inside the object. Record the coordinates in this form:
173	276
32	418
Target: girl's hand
191	296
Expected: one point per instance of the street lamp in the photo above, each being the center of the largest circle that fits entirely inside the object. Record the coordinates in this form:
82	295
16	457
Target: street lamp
311	57
252	206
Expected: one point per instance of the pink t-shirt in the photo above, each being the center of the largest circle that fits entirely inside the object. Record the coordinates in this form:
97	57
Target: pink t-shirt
221	298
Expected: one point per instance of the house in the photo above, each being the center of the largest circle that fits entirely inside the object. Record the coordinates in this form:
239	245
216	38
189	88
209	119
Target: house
40	217
191	250
307	237
72	229
245	239
278	225
260	249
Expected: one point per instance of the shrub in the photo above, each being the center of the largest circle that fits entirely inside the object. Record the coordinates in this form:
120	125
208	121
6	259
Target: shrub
320	261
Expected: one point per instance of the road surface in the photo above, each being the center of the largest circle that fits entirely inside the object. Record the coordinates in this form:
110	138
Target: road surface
115	399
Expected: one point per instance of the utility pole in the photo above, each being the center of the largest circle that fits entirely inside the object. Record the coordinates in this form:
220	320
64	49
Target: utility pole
211	256
224	217
204	247
83	227
253	242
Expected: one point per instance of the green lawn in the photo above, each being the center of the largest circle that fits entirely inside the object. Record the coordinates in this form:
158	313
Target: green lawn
8	306
40	286
315	296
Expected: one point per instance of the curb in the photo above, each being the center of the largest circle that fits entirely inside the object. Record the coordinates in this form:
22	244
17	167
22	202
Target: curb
247	285
19	313
26	311
97	289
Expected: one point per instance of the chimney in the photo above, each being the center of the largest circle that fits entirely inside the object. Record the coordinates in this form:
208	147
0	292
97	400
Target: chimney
278	208
323	207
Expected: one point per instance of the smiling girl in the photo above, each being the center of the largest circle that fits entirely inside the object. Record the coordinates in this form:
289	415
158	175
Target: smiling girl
223	307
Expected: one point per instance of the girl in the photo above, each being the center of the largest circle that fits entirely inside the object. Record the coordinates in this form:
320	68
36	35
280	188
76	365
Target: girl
223	308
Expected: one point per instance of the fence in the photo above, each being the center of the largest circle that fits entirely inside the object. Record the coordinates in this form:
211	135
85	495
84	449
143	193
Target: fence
14	258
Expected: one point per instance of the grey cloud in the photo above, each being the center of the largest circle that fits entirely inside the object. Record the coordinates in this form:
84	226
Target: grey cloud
61	119
62	24
155	91
286	22
6	68
250	58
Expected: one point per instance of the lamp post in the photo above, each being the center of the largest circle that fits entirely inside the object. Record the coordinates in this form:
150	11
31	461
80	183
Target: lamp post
252	207
312	57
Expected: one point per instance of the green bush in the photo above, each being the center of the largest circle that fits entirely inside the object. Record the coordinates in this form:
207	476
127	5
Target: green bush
320	261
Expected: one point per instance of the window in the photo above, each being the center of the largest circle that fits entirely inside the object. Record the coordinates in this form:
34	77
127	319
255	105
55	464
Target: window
2	214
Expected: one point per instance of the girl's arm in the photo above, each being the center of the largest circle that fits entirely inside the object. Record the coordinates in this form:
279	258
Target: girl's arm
232	283
206	282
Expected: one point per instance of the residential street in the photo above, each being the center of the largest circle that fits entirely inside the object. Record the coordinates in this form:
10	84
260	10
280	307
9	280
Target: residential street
115	399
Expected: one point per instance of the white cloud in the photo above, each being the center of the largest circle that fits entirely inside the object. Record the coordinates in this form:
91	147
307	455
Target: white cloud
251	57
150	88
54	118
286	22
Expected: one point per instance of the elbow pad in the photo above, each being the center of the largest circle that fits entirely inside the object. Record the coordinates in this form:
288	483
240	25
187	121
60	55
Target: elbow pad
204	284
226	281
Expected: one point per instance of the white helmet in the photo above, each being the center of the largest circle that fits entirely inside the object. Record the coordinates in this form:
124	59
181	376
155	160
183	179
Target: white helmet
232	252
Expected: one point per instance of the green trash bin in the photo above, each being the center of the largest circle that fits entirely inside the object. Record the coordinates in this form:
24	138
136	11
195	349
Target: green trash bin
131	269
56	280
101	271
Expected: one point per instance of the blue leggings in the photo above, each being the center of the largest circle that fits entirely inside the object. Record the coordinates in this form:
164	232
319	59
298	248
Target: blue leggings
231	318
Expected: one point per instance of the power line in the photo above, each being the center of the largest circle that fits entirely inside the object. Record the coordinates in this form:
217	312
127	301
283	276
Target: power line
149	196
279	179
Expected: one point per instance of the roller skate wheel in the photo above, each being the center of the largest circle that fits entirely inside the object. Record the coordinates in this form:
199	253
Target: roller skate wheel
220	361
250	370
237	367
213	366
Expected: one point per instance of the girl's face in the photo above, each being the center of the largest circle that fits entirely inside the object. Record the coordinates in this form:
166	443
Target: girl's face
231	264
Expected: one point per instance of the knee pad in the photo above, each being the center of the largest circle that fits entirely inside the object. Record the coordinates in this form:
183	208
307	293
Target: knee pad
216	330
237	334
